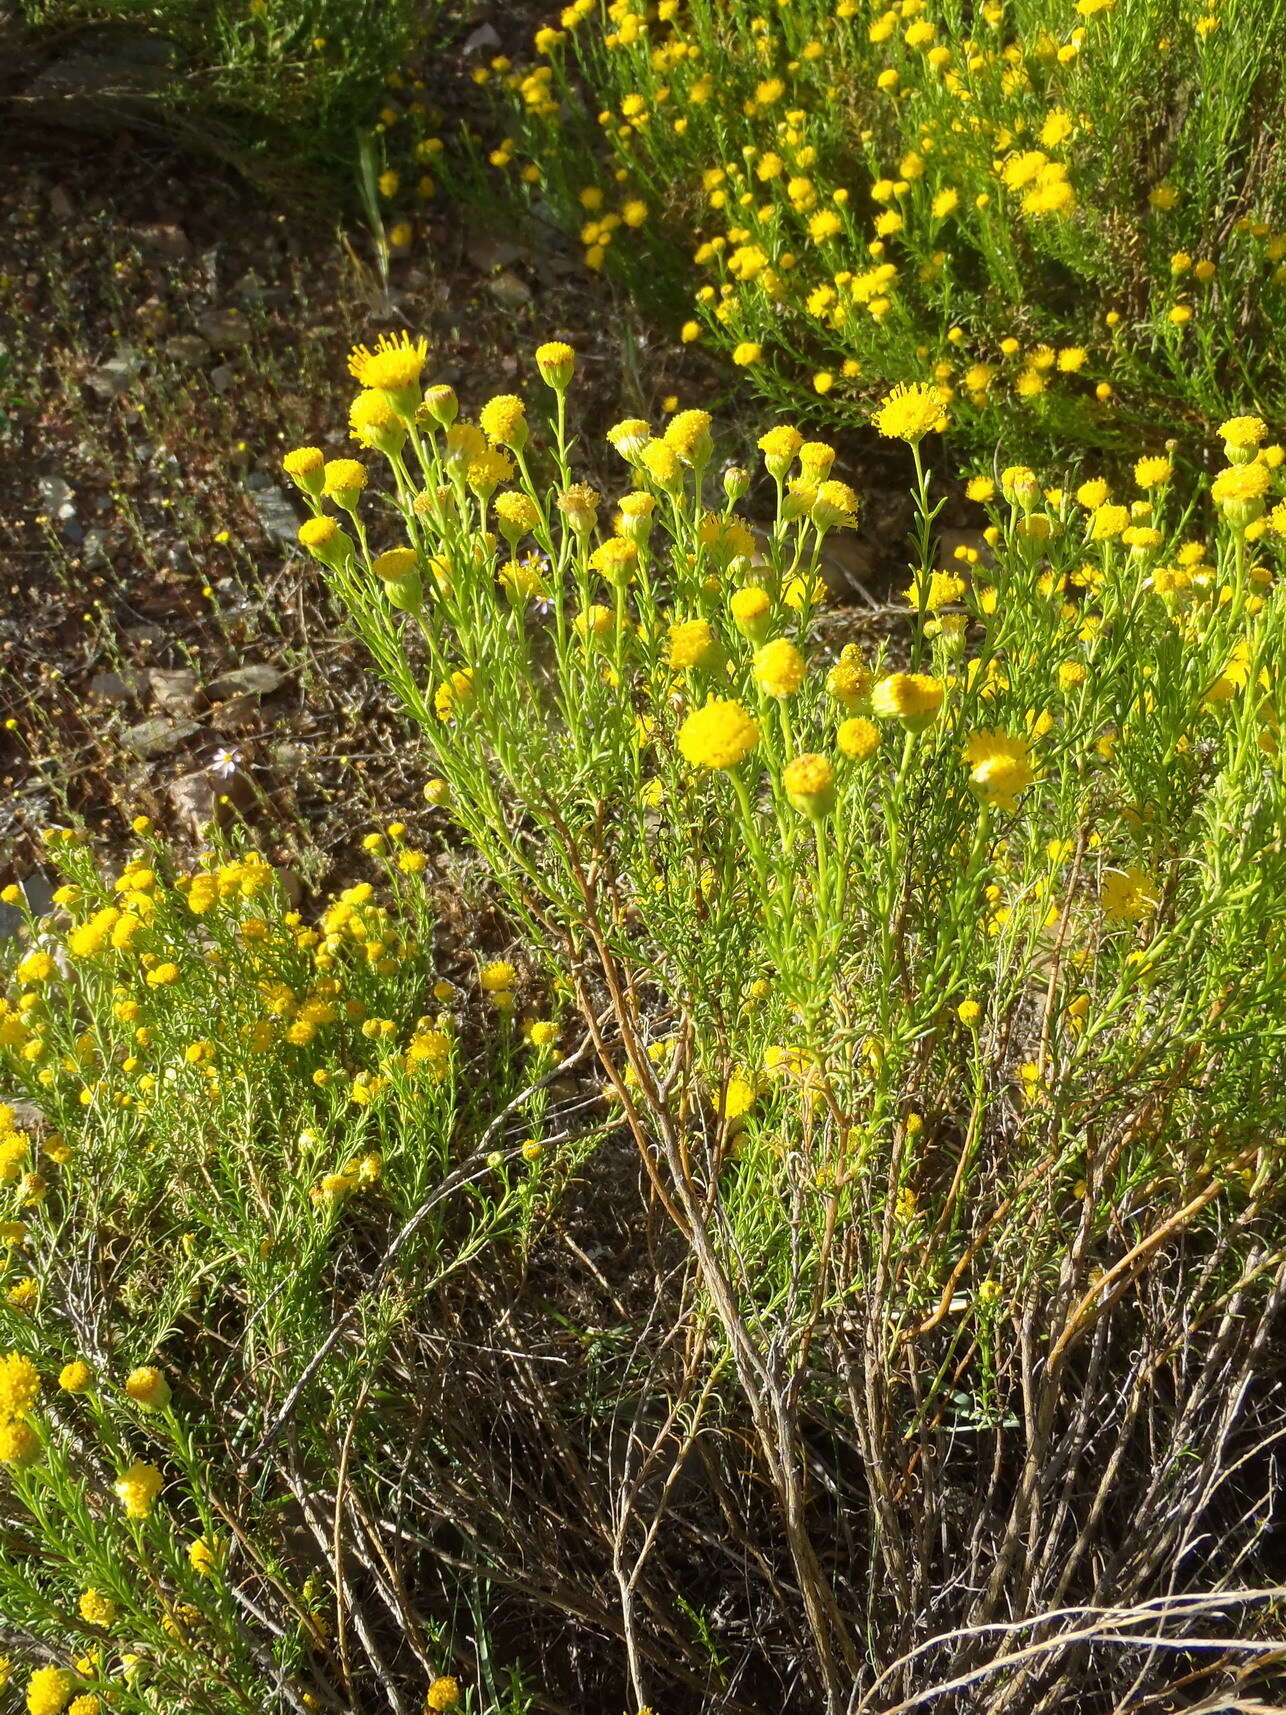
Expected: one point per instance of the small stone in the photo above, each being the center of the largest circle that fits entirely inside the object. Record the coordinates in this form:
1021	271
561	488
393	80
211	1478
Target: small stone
93	550
221	378
234	714
110	688
158	736
489	255
162	238
225	330
56	497
289	755
186	348
509	291
256	679
60	204
276	512
115	377
483	37
195	798
173	689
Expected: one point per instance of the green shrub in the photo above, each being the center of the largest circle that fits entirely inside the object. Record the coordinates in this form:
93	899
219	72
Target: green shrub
940	992
282	86
1072	217
261	1157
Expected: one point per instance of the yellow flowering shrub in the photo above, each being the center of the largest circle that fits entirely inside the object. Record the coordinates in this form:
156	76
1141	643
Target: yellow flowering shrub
198	1176
1030	204
932	980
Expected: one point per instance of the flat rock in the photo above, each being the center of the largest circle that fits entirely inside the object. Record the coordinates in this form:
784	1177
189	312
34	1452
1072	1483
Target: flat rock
235	714
276	513
510	290
196	801
158	736
110	688
488	254
115	377
225	330
56	497
255	679
173	689
164	239
187	348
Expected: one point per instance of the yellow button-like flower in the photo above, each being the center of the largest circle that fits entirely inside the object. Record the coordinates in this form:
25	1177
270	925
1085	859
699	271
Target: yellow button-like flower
999	768
912	698
720	735
910	413
148	1388
778	667
137	1488
809	783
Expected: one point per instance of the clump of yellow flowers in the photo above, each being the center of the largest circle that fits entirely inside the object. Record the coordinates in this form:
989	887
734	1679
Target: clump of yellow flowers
214	1088
857	193
837	852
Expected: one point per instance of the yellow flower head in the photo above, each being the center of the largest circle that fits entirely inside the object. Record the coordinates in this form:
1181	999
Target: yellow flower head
374	422
96	1609
395	563
343	480
910	413
504	421
691	643
689	434
858	738
1240	437
49	1690
1128	895
999	768
1151	472
443	1694
148	1388
849	682
498	977
556	363
629	437
19	1386
751	612
778	667
137	1488
76	1377
912	698
19	1443
615	560
304	467
780	447
453	694
1239	492
394	367
809	783
720	735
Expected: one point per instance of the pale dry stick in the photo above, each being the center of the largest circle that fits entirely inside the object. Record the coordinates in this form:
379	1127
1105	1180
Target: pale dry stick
337	1544
1139	1614
299	1487
473	1168
777	1437
631	1488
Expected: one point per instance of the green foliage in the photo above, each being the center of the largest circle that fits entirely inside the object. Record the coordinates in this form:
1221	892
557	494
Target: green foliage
943	1005
1073	217
282	84
254	1149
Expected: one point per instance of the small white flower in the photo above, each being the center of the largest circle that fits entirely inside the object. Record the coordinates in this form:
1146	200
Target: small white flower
225	763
